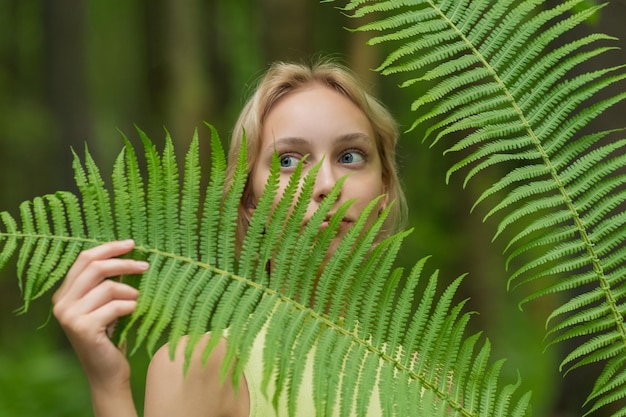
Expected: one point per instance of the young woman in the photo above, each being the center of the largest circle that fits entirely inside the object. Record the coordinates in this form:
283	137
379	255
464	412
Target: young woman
321	111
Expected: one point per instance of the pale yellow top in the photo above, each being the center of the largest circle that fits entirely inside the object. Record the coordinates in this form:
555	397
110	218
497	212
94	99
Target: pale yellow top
261	405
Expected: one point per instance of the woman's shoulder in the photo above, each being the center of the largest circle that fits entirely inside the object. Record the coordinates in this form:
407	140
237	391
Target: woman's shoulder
170	391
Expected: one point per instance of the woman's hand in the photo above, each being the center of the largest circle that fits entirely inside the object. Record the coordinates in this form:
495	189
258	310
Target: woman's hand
88	304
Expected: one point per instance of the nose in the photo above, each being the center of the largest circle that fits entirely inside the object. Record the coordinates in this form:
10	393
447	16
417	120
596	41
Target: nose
324	182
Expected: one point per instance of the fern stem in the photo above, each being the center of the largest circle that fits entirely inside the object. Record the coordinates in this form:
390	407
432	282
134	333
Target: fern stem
20	235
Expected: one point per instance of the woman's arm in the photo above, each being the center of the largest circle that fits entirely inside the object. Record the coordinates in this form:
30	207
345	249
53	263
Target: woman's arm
199	393
86	305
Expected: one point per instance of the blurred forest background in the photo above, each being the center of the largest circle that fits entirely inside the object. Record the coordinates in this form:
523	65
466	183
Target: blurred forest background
76	72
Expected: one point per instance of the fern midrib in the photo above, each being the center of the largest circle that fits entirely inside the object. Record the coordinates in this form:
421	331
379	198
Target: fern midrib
138	248
597	267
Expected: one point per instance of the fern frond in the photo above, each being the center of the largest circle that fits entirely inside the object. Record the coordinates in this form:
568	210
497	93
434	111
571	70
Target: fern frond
377	351
493	77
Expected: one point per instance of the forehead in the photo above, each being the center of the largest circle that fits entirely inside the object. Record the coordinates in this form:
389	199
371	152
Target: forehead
312	111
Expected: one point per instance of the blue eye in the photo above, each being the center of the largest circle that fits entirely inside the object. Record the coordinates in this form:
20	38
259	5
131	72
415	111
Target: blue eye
288	161
351	157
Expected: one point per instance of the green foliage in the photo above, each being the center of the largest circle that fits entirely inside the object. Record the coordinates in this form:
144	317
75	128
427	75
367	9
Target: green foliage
52	376
197	283
519	104
509	93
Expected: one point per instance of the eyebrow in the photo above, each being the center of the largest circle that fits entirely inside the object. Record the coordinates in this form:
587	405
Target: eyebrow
299	141
353	137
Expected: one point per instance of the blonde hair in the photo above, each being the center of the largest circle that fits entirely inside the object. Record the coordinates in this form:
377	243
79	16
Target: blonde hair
283	78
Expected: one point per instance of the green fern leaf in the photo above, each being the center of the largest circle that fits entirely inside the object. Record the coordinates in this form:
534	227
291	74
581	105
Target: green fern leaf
377	351
493	78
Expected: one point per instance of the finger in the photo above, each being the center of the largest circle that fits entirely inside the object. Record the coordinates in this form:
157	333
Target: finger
86	329
110	312
104	251
103	294
72	314
99	271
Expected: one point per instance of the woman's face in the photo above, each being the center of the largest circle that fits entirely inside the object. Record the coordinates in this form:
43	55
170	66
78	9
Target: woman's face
319	122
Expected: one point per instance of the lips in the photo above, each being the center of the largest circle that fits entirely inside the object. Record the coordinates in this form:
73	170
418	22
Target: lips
345	222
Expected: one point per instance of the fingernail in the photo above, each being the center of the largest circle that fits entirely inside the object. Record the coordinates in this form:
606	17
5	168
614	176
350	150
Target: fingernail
143	265
128	242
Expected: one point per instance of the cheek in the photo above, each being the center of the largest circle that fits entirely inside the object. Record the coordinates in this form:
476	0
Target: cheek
364	190
371	187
